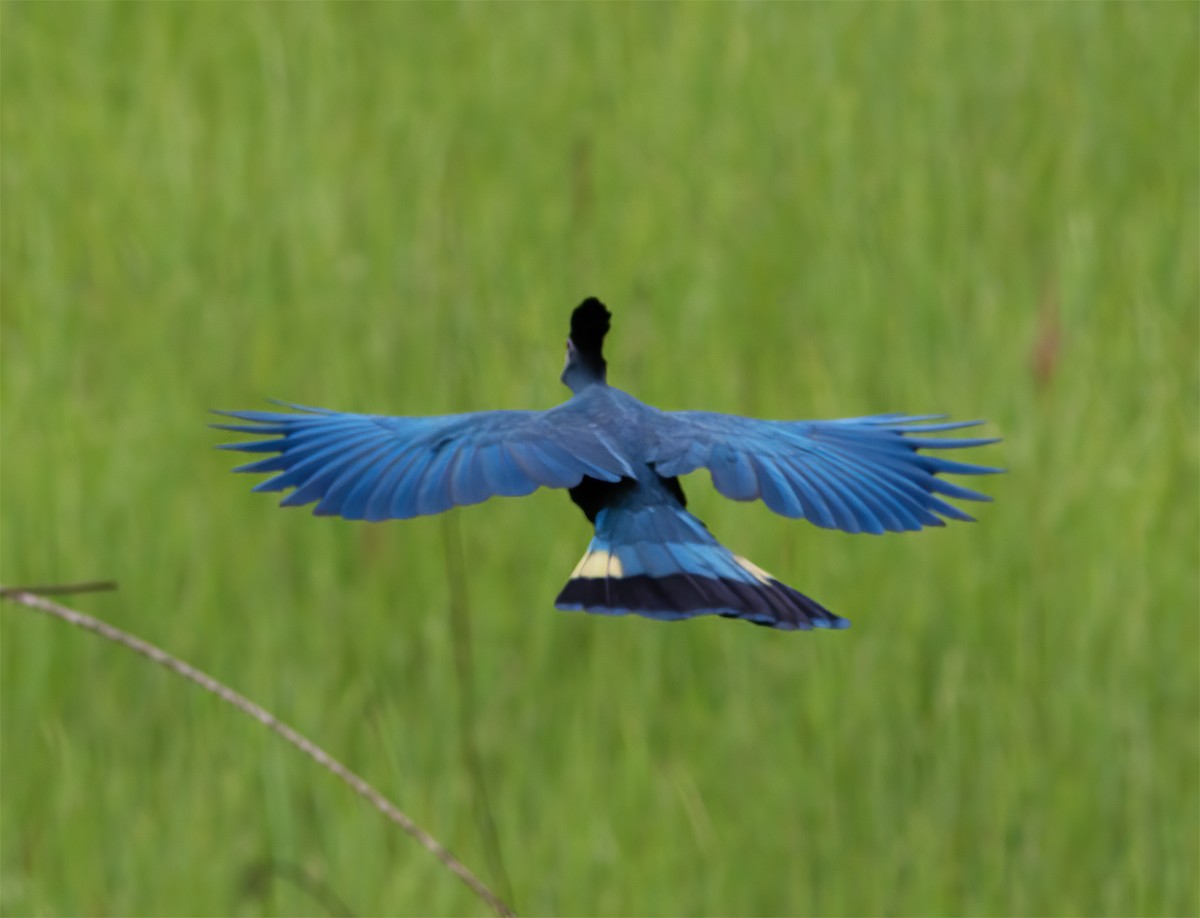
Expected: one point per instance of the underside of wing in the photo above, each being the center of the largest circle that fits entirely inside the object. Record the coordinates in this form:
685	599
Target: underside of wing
864	474
378	467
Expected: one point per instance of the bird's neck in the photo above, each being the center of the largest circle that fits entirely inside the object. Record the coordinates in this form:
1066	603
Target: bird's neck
582	374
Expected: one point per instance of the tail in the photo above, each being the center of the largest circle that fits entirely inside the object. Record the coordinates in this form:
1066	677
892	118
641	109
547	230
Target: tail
661	562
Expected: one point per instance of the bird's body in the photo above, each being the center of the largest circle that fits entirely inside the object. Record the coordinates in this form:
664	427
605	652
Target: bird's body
620	460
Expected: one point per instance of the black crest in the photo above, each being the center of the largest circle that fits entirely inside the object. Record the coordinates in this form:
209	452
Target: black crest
589	325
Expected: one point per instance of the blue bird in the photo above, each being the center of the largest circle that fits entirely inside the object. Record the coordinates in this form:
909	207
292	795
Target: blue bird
621	460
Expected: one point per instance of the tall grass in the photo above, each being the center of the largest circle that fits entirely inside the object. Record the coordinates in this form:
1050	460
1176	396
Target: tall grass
794	211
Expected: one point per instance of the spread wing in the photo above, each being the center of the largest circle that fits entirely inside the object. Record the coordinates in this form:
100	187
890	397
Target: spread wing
375	467
856	474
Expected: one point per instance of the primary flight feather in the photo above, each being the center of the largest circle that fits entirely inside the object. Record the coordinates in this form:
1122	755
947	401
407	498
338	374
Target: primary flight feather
621	461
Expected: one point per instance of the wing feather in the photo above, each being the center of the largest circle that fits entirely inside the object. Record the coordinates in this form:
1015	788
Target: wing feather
735	476
812	495
378	467
863	474
854	498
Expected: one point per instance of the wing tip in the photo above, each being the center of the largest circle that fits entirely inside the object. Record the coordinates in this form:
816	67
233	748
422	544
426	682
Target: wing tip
833	623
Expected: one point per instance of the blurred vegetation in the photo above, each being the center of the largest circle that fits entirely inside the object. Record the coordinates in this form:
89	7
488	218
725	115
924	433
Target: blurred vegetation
793	211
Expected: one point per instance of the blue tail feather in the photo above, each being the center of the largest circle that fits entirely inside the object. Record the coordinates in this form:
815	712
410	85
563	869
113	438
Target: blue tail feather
660	562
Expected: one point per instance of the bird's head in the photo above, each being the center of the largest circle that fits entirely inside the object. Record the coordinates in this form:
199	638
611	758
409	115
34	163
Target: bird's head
585	364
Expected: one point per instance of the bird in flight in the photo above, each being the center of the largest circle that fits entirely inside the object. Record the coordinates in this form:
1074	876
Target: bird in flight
620	461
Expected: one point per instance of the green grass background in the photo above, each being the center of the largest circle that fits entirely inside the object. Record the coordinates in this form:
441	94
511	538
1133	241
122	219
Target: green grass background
793	211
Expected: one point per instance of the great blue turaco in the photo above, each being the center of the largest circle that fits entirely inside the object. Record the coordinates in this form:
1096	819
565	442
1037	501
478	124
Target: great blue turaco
620	461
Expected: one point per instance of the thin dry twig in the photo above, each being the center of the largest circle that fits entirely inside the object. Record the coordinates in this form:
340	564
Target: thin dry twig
268	720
